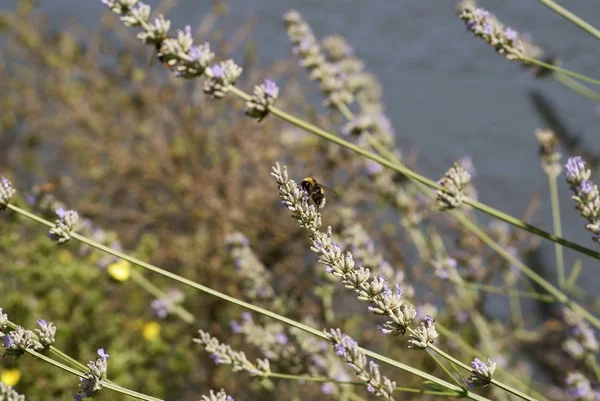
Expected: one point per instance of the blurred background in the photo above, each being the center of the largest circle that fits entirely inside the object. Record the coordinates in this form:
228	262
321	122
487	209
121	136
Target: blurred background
169	173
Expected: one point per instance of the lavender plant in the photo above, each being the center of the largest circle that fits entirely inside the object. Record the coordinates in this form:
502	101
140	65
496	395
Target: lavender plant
350	257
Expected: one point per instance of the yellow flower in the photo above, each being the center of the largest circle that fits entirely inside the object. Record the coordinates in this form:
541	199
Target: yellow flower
10	377
64	256
120	270
151	331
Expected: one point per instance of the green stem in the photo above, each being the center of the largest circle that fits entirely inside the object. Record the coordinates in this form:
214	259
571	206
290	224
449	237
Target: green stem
243	304
501	385
444	368
516	311
560	297
571	17
417	177
496	290
158	293
105	384
577	87
317	379
465	346
559	69
574	274
558	250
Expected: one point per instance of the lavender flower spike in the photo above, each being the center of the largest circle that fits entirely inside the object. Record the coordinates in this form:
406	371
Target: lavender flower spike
6	192
45	333
348	349
91	384
504	40
587	196
423	335
482	372
224	354
383	300
549	151
3	320
454	182
64	226
221	77
7	393
220	396
18	341
264	97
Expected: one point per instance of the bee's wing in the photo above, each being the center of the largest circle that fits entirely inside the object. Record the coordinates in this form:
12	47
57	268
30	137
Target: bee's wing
333	191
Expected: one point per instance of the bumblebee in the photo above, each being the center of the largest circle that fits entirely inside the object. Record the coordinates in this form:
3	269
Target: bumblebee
314	191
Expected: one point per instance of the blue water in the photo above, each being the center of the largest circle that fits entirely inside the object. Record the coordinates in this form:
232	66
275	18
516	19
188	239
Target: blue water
447	93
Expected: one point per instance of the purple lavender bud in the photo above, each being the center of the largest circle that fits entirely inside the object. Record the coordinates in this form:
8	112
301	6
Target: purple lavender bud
478	365
42	323
339	348
463	317
328	388
216	358
195	53
488	29
236	327
398	289
586	187
480	12
61	213
574	169
511	34
271	88
217	71
103	354
281	338
8	342
160	308
370	388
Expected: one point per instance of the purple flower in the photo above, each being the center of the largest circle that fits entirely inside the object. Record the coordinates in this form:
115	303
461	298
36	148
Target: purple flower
488	29
281	338
383	330
103	354
8	342
328	388
216	358
480	12
370	388
511	34
339	348
463	317
236	327
61	213
196	53
586	187
42	323
478	365
160	308
217	71
574	169
271	88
